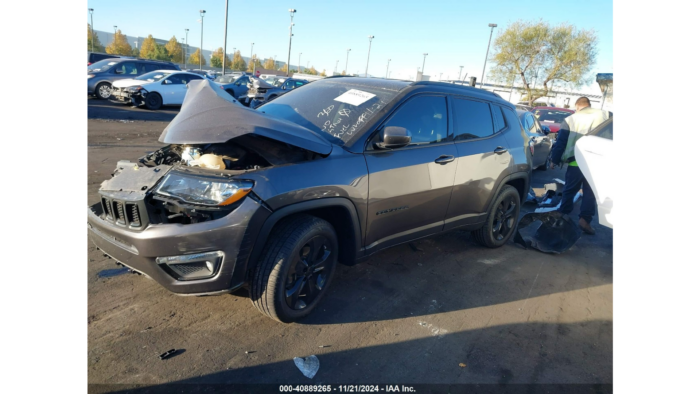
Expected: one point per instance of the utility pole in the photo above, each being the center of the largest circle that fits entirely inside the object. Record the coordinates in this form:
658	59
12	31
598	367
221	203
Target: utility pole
368	51
251	56
223	61
201	38
92	31
187	46
292	11
346	62
491	25
387	69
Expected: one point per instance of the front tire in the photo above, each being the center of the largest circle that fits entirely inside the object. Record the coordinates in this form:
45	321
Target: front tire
502	219
295	269
103	91
153	101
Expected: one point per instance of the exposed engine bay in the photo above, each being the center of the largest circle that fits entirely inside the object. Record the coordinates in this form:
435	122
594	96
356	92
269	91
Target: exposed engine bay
190	183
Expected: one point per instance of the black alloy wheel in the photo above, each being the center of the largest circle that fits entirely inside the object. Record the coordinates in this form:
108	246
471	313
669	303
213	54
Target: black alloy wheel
502	219
308	276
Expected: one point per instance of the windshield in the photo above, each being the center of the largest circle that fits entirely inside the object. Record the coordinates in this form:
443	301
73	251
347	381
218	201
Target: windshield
226	79
152	76
102	65
551	116
334	109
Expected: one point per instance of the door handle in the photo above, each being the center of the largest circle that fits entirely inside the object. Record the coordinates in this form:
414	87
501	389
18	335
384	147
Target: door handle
444	159
500	150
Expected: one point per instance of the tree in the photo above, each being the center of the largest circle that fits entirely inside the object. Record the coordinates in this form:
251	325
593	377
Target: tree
270	64
174	49
323	73
217	58
254	62
238	62
119	46
135	52
148	46
98	47
159	53
312	71
538	52
283	68
194	58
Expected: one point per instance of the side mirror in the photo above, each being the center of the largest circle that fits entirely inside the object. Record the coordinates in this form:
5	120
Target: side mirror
546	130
284	87
167	82
393	137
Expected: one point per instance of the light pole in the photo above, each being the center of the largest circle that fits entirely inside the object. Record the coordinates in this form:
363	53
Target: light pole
223	61
387	68
440	79
422	70
346	61
183	52
491	25
335	71
460	73
251	56
292	11
187	46
307	64
299	64
201	38
92	31
368	51
115	30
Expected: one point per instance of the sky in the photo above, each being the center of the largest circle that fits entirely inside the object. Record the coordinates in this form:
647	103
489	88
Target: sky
453	33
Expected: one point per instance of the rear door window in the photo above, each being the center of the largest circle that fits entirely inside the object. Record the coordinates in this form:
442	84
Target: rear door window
126	68
472	119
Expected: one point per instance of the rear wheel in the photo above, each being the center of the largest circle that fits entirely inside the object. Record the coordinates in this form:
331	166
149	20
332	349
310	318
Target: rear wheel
153	101
295	269
502	219
103	91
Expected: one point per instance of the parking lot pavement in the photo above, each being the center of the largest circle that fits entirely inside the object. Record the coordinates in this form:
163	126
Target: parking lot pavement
105	109
407	315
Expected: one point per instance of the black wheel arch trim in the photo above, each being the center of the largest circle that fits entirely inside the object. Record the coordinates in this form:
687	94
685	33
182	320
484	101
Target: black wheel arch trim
525	176
261	236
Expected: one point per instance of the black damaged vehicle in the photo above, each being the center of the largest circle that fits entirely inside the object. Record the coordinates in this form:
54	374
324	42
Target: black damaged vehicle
272	199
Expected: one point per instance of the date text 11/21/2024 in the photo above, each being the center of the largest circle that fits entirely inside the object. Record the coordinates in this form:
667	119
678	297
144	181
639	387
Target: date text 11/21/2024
355	388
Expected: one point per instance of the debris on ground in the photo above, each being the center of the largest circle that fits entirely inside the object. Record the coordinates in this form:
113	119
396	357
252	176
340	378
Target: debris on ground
462	365
556	233
167	354
531	197
308	366
250	351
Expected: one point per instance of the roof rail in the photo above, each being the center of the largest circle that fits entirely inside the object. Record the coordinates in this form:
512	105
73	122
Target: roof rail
453	84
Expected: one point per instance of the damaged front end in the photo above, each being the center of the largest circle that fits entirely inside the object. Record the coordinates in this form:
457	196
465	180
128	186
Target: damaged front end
181	215
135	95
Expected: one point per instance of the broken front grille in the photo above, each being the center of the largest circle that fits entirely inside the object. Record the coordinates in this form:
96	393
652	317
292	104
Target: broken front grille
124	213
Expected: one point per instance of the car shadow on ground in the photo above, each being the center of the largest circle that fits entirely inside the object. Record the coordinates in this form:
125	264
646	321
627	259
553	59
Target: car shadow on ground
105	109
552	355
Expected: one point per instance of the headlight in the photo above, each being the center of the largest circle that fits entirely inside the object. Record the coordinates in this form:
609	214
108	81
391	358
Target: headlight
135	89
204	191
91	76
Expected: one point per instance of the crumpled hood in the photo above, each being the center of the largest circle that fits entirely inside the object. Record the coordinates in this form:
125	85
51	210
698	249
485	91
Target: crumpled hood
209	115
260	84
125	83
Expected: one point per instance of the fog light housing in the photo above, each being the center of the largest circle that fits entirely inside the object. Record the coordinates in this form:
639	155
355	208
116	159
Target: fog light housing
192	266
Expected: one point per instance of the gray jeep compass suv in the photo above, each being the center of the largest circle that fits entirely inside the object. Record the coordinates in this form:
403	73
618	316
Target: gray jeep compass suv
273	198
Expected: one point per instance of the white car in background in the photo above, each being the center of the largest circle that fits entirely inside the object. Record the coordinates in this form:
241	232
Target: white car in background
594	153
154	89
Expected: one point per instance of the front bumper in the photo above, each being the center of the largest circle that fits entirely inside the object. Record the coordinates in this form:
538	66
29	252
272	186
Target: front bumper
138	250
